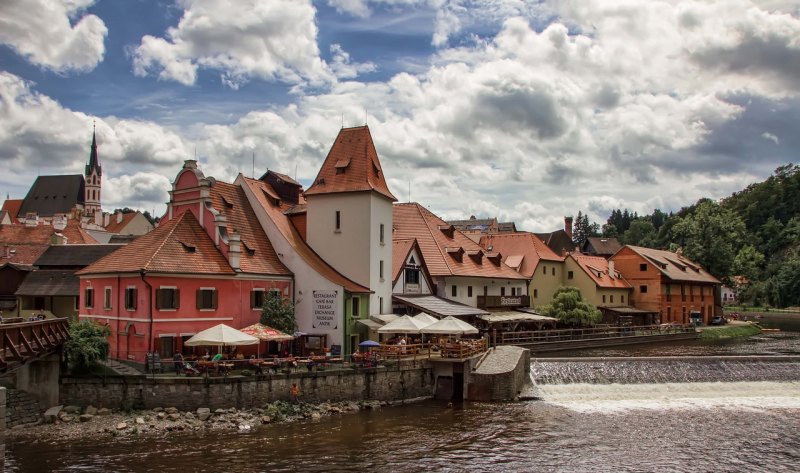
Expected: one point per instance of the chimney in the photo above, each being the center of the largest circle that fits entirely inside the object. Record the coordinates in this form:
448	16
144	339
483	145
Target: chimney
611	272
106	219
119	217
568	226
234	250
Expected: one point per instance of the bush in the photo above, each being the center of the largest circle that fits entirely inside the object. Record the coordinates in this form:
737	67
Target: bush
87	344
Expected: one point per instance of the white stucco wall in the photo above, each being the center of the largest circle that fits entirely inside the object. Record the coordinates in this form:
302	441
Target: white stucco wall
493	285
424	284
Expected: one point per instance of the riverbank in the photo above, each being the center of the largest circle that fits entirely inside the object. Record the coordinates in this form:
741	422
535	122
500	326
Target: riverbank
731	330
74	423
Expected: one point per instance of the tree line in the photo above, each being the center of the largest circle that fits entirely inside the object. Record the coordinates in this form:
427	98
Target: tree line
749	240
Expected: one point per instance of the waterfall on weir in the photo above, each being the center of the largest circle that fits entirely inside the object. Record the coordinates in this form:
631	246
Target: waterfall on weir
660	383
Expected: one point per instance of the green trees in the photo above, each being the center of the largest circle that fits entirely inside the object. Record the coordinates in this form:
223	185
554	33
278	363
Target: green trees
88	343
569	307
641	232
583	229
712	235
278	313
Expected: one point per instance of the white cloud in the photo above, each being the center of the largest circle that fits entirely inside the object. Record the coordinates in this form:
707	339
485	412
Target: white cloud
53	34
40	136
270	40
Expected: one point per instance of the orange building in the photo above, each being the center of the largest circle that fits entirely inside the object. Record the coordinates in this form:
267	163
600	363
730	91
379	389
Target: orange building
668	283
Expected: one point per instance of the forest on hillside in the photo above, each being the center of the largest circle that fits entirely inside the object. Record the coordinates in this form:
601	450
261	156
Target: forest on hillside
749	240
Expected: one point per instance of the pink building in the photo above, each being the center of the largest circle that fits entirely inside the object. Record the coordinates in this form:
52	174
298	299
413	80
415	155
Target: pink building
208	262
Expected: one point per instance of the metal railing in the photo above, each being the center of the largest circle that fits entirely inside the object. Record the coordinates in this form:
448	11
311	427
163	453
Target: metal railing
594	333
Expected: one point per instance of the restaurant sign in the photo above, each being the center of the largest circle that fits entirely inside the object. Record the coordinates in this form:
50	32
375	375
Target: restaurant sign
510	301
324	307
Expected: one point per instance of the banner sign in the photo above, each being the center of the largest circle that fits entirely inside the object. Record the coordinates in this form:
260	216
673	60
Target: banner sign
324	307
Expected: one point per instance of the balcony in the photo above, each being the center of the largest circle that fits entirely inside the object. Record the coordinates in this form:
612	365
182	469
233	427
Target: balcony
491	302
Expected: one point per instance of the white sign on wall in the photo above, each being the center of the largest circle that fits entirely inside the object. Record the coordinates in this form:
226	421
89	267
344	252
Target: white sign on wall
324	317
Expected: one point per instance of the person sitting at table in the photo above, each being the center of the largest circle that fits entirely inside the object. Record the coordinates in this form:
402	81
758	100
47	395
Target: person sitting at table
206	356
217	358
254	364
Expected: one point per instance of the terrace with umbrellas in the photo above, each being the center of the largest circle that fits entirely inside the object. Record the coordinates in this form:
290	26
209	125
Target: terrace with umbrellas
222	350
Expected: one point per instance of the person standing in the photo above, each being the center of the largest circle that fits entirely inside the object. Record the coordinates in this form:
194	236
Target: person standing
178	361
295	392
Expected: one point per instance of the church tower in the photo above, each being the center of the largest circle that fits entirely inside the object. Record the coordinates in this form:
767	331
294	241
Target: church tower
94	173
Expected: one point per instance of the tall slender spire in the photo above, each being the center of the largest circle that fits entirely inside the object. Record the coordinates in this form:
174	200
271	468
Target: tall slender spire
94	163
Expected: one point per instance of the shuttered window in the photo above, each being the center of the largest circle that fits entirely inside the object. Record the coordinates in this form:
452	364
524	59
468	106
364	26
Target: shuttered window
130	298
168	298
206	298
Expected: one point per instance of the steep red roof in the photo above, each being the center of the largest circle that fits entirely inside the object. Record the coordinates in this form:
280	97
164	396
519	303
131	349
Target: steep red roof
12	206
21	254
597	269
277	213
400	250
115	227
447	251
352	165
258	255
521	250
179	245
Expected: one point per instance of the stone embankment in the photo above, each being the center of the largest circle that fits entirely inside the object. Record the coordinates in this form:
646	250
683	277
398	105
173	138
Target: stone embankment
21	408
71	422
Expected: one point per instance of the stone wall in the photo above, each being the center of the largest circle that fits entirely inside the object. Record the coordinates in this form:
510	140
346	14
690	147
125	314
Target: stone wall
20	408
405	381
501	375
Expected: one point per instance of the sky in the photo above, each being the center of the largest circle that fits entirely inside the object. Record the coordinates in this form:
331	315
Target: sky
527	111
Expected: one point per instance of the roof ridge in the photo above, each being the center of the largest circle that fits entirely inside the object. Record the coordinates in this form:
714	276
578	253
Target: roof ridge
430	230
177	221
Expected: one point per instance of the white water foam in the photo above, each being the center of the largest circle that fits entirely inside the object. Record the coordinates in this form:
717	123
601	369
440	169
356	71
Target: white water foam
624	397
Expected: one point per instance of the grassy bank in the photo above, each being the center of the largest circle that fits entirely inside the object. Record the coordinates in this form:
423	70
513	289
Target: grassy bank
729	331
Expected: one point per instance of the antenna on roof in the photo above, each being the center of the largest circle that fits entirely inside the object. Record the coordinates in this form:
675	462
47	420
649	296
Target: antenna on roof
342	119
365	115
254	165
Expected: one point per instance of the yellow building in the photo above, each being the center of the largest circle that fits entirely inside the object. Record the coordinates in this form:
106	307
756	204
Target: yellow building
600	284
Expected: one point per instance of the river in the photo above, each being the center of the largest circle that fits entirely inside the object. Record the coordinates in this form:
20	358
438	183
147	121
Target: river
745	425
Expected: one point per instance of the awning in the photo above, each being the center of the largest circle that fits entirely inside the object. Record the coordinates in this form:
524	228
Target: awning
513	316
370	323
384	318
438	306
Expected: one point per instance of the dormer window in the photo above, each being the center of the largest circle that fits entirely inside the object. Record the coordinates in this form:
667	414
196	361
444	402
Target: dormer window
448	230
341	165
250	251
226	203
456	252
189	248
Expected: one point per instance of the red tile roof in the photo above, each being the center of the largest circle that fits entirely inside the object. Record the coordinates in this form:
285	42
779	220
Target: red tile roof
522	250
596	267
277	214
114	227
447	251
673	265
12	206
21	234
352	165
400	250
21	254
231	201
179	245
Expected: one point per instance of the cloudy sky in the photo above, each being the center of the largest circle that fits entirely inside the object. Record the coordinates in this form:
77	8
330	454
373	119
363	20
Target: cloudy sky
527	111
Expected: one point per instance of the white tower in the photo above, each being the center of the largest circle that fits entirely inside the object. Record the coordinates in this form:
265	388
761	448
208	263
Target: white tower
349	215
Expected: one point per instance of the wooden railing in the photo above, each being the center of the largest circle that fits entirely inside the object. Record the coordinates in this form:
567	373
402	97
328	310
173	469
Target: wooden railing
565	335
24	341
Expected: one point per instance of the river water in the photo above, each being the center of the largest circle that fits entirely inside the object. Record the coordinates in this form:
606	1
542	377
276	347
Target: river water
740	425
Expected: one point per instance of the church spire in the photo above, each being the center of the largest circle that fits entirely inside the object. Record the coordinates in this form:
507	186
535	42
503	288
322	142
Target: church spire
93	161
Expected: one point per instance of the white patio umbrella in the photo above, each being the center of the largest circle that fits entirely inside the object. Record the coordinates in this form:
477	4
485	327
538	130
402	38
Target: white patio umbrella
450	325
425	318
404	324
221	335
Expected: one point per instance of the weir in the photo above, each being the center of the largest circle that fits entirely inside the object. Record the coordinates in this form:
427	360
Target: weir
553	371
